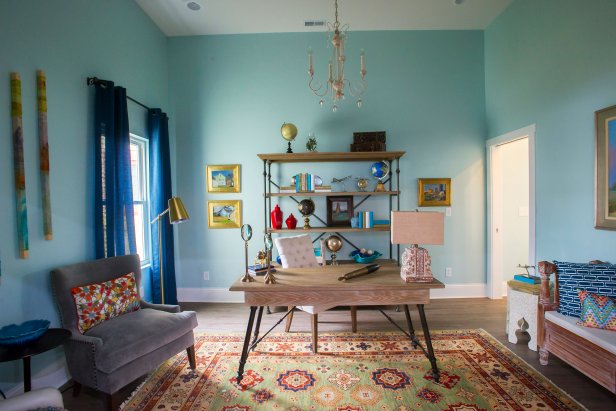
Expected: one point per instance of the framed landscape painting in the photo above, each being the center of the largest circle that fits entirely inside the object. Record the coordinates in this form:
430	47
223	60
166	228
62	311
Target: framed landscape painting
434	192
339	211
224	213
605	202
223	178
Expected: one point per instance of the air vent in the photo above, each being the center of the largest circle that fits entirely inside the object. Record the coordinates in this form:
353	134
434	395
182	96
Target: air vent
314	23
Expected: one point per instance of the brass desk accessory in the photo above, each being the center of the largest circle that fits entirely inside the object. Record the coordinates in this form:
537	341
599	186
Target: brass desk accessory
269	276
359	272
246	236
333	244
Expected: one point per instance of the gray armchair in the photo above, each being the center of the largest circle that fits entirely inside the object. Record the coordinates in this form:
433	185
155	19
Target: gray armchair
116	352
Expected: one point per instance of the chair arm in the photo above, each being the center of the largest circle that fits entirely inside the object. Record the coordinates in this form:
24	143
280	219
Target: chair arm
170	308
545	270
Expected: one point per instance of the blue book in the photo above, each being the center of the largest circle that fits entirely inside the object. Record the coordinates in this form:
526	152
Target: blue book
529	279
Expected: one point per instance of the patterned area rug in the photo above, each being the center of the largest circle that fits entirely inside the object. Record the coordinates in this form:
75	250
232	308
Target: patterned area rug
352	372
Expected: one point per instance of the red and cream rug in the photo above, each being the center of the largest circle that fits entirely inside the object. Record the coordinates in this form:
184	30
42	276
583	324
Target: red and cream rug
352	372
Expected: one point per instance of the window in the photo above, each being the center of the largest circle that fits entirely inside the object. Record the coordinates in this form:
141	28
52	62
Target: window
139	170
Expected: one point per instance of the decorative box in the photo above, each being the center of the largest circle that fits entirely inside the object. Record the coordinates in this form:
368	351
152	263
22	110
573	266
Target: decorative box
369	141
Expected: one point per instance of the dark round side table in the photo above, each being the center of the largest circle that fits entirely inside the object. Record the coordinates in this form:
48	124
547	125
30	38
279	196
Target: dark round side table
53	337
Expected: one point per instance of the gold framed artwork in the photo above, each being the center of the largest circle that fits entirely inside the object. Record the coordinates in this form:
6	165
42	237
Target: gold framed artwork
224	178
605	202
434	192
224	213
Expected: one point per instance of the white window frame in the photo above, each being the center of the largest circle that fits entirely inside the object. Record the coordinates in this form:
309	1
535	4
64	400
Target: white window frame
144	147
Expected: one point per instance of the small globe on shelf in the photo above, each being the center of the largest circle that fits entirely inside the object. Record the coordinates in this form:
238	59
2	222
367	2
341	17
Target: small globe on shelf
288	132
380	171
306	208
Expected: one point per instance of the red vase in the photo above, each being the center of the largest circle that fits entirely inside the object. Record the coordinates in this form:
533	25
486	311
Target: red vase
276	218
291	222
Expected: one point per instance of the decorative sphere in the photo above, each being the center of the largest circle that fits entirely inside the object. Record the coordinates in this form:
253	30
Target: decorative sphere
333	243
288	131
379	170
306	207
362	183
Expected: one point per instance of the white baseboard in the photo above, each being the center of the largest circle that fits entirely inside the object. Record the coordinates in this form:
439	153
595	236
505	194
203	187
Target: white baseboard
223	295
53	375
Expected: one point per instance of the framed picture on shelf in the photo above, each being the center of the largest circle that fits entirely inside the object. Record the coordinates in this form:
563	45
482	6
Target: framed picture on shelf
434	192
605	203
339	211
224	213
223	178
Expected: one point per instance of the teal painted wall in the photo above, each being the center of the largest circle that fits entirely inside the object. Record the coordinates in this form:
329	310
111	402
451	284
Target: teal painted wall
231	94
552	63
69	40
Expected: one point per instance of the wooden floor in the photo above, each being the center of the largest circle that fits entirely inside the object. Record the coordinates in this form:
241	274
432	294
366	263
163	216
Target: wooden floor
441	315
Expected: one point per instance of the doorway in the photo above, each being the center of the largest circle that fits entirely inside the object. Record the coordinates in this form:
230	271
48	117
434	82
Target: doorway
511	207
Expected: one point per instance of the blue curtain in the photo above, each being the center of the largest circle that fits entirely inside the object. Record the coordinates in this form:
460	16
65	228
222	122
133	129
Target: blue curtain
113	203
160	193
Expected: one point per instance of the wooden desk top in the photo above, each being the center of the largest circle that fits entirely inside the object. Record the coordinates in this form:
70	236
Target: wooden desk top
326	279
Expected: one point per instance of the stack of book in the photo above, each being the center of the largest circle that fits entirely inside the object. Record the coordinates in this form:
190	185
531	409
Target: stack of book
260	269
529	279
381	223
365	219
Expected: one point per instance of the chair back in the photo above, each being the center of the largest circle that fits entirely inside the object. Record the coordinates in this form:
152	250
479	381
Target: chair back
296	252
96	271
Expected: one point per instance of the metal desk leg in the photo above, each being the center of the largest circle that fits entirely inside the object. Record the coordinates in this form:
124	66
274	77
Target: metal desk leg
256	333
422	315
409	323
244	357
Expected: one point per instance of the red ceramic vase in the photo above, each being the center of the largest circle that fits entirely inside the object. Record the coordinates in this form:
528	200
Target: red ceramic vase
276	218
291	222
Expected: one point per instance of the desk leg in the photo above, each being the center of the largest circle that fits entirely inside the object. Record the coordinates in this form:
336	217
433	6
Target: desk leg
426	330
256	333
27	375
244	357
409	323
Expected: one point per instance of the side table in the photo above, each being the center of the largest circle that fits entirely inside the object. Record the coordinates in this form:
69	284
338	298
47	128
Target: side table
522	302
53	337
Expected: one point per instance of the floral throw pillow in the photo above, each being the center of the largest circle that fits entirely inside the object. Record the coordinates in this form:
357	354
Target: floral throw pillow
99	302
598	311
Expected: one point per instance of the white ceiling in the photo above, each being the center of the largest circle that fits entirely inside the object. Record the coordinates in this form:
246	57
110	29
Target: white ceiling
278	16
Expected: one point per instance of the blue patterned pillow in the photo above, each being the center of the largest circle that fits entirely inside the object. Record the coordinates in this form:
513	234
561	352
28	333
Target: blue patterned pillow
572	277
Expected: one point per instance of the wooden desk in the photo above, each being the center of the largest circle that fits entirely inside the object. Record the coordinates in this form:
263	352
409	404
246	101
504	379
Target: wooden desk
320	286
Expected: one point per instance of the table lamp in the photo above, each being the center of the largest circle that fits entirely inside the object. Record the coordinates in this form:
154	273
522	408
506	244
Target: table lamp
417	227
177	214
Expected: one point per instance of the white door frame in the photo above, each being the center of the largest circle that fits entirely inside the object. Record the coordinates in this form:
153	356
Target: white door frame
495	276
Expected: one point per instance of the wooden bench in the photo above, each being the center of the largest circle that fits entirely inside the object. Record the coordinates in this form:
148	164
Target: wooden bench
591	351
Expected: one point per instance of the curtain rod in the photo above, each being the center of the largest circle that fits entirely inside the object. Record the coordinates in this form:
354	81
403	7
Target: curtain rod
95	80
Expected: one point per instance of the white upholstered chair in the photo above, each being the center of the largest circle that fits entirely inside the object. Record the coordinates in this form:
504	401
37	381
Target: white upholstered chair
297	252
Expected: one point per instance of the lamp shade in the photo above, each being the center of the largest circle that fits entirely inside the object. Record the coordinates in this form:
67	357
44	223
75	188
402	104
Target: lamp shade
417	227
177	212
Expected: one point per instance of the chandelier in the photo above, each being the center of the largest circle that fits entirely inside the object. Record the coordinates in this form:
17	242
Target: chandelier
336	82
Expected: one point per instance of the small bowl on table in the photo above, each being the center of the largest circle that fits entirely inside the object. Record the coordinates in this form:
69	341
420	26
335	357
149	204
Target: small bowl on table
364	258
23	333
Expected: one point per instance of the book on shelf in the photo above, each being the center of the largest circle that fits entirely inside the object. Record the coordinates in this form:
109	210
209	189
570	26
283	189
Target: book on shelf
365	219
287	189
529	279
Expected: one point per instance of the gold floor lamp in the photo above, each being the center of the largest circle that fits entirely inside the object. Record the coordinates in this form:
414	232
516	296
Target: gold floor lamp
177	214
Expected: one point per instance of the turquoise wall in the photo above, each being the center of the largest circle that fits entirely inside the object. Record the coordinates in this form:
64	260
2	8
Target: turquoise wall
231	94
69	40
552	63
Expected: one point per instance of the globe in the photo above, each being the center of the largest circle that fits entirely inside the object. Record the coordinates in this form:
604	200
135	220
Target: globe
288	131
379	170
306	207
333	243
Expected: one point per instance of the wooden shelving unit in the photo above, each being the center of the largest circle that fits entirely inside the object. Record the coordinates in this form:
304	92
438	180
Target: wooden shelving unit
392	191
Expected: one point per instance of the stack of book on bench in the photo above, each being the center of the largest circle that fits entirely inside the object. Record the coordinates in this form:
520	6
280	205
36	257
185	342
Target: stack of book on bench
260	269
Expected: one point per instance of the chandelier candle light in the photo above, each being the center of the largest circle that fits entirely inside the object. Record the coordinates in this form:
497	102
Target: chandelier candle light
336	81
